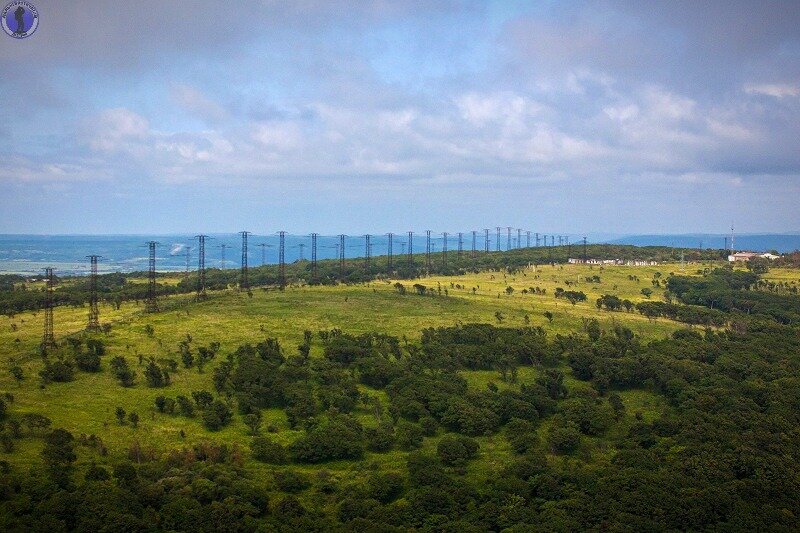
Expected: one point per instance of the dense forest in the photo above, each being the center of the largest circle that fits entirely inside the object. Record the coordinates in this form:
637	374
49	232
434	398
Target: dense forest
723	454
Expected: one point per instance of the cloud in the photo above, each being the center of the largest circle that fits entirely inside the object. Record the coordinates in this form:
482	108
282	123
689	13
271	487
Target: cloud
776	90
116	129
197	103
375	101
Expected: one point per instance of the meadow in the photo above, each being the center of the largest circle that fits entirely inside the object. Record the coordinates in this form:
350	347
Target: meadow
231	317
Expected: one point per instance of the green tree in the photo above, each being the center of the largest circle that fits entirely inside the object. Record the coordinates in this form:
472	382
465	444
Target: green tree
59	456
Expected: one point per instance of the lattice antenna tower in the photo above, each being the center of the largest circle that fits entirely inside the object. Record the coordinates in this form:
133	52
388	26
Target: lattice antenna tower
498	228
474	242
314	256
537	239
94	312
444	249
528	239
222	248
264	247
367	252
48	340
389	243
428	250
410	249
486	240
201	266
341	255
282	259
151	305
460	243
244	278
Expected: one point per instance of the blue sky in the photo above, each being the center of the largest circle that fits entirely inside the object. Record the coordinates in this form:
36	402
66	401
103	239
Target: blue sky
602	116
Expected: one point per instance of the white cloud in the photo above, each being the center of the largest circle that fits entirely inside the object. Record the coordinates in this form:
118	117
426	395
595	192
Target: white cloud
115	129
277	135
196	102
776	90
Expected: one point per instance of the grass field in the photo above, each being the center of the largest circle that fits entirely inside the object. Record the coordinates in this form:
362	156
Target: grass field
86	405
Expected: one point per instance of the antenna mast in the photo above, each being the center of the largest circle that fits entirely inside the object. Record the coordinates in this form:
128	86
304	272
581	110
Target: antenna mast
201	266
314	256
151	306
244	281
48	340
94	313
282	259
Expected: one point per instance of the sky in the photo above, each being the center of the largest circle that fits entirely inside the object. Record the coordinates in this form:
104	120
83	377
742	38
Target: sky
372	116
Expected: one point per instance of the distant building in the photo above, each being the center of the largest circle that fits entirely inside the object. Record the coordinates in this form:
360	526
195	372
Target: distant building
574	261
747	256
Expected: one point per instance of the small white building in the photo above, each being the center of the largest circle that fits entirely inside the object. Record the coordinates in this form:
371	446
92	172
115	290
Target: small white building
747	256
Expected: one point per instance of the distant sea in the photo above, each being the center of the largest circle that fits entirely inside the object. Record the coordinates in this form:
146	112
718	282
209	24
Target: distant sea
66	254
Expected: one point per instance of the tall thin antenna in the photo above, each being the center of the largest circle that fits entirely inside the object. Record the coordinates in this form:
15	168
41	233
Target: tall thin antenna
474	242
537	239
244	279
341	255
48	340
222	247
367	254
585	257
94	313
151	305
732	235
528	239
508	238
444	249
498	237
428	250
282	259
389	251
460	243
201	266
519	238
264	247
314	256
486	240
410	249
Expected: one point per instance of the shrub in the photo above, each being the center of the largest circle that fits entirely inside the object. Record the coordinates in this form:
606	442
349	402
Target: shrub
291	481
266	450
456	450
217	416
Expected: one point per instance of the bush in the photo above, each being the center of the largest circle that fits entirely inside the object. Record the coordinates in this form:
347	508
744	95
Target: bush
88	362
379	439
291	481
456	450
121	370
185	406
337	437
217	416
563	436
409	435
521	434
266	450
386	487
